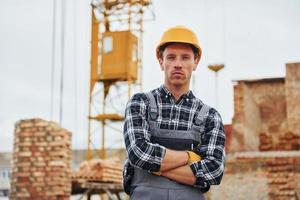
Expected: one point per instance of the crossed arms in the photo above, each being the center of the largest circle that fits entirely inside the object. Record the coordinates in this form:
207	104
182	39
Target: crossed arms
174	164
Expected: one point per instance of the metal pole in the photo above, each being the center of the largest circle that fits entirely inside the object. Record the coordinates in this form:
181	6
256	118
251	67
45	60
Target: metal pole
216	69
103	153
216	90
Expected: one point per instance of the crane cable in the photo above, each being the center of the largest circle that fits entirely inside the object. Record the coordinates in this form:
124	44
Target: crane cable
63	10
53	60
75	71
224	29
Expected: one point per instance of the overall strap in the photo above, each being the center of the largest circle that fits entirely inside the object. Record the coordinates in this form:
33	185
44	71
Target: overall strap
153	107
199	125
201	115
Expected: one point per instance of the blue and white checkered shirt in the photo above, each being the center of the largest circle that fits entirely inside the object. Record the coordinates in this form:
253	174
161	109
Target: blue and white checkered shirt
174	115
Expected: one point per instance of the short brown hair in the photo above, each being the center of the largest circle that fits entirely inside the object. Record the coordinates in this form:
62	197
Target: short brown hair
164	46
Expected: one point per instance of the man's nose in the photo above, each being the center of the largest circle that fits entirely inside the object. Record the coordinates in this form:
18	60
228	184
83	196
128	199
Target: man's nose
178	63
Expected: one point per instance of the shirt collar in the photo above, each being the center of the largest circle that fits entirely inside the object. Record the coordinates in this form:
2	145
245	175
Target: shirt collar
165	92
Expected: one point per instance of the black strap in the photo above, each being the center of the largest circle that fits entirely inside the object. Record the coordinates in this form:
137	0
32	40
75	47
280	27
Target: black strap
153	108
153	111
201	115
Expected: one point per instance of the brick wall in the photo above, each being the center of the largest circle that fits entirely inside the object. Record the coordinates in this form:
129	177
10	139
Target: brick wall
259	175
228	135
260	106
41	167
267	113
293	96
283	177
237	142
287	142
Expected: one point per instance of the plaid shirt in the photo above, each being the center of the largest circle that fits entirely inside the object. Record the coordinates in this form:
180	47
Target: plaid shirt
174	115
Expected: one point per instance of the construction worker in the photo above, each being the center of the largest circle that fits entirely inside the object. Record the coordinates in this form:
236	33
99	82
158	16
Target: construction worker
175	142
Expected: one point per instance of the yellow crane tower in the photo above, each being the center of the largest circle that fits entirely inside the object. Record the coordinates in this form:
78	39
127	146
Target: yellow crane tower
116	57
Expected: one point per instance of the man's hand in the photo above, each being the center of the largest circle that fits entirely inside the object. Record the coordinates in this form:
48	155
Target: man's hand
173	159
193	157
182	175
157	173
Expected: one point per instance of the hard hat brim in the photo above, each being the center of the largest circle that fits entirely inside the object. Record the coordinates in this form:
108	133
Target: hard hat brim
178	34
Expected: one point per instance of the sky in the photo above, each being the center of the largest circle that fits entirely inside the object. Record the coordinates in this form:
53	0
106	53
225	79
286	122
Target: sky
253	38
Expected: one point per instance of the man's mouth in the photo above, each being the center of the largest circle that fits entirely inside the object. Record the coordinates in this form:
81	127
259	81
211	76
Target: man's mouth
177	73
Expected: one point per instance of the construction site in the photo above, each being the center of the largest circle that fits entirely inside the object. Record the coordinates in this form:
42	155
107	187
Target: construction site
49	156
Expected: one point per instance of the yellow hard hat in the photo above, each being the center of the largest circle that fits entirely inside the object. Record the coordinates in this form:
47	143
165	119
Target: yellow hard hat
179	34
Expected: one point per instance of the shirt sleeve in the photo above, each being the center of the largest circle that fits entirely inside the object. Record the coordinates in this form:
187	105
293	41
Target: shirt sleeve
209	171
141	152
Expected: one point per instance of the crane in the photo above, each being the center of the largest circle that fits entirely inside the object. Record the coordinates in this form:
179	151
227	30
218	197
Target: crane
116	61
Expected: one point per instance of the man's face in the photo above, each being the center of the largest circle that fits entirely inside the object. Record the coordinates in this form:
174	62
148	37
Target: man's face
178	62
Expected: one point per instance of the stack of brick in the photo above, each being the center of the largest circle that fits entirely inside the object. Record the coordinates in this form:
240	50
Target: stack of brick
288	142
41	167
282	178
265	142
97	170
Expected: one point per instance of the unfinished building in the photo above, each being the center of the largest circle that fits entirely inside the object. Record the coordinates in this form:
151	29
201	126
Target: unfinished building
267	113
263	142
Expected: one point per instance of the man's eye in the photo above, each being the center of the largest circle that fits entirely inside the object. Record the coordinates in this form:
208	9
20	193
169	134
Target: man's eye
171	57
186	57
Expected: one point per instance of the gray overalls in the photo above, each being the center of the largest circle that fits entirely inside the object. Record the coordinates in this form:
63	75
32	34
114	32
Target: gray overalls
147	186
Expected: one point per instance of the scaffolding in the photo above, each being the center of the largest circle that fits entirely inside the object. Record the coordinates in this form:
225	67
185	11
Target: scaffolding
116	64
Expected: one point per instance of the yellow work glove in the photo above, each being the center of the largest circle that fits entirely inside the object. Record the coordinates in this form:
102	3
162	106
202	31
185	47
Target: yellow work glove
193	157
157	173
